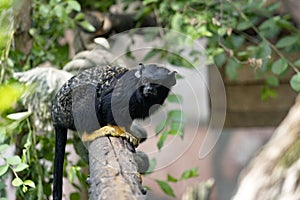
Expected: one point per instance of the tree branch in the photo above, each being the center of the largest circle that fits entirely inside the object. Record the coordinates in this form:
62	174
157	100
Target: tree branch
272	173
113	170
23	41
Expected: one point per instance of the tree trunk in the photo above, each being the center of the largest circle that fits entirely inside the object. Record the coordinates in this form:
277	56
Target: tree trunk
113	171
274	172
22	39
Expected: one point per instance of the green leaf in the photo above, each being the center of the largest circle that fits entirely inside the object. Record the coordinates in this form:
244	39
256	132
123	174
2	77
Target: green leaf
176	125
146	2
75	196
175	98
5	4
160	127
264	50
176	115
142	12
295	82
279	66
3	169
268	93
189	174
237	41
72	173
177	21
220	59
2	135
222	31
74	5
79	16
231	69
165	187
44	9
297	63
19	116
272	81
244	25
287	41
171	178
12	92
14	160
3	147
20	167
151	54
87	26
269	23
179	61
274	6
2	186
162	140
24	188
17	182
283	23
176	129
59	10
177	5
29	183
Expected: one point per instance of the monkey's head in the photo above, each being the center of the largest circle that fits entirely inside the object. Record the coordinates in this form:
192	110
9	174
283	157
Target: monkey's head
138	93
153	78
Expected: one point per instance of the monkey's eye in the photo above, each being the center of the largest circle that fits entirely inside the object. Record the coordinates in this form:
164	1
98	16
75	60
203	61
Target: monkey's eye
144	81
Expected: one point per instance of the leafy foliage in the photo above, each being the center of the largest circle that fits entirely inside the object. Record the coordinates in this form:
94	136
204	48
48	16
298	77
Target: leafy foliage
239	33
165	185
51	19
172	125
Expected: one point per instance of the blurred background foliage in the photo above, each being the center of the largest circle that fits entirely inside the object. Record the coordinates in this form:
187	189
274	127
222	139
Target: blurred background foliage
247	33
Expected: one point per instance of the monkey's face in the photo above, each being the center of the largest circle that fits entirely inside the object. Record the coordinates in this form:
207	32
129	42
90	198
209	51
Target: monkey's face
139	92
150	89
153	78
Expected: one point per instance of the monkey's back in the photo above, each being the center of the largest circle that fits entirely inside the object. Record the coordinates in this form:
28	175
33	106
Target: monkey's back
102	77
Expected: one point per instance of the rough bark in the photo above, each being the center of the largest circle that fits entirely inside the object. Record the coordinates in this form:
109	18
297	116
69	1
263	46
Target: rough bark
113	171
274	172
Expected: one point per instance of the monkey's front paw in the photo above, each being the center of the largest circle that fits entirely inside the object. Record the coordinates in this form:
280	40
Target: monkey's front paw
109	130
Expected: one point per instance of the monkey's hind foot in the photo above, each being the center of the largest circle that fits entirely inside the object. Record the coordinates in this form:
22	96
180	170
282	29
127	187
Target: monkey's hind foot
110	130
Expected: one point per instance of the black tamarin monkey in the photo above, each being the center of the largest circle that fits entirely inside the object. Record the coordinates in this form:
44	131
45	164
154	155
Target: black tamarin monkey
122	95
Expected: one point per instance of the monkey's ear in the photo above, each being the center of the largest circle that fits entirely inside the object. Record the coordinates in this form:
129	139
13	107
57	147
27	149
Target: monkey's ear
138	73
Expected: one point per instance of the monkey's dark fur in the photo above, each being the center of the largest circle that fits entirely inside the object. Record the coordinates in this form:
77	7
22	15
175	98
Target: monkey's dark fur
122	96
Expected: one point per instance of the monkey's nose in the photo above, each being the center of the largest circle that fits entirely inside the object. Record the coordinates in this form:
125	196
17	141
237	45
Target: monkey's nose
149	91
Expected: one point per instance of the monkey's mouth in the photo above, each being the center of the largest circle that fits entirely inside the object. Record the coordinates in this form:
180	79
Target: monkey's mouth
149	90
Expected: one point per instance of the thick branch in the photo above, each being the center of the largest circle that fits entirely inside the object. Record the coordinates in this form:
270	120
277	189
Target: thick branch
272	173
113	171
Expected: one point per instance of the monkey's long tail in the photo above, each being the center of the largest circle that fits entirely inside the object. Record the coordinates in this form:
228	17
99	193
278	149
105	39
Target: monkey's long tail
60	144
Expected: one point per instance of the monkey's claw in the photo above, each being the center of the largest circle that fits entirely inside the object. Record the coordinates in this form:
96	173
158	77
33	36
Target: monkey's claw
114	131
